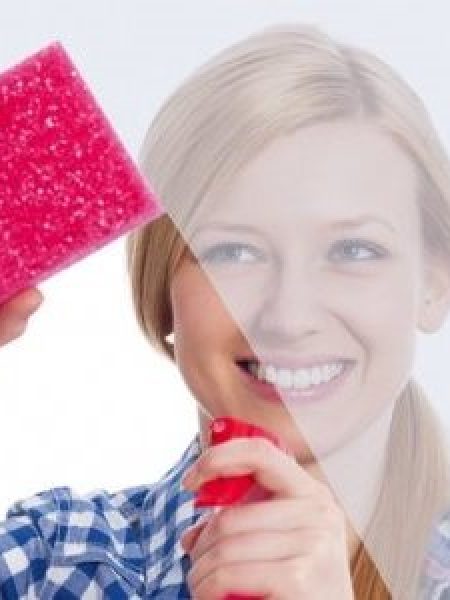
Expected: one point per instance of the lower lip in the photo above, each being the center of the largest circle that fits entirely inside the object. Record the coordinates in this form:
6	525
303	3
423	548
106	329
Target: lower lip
313	394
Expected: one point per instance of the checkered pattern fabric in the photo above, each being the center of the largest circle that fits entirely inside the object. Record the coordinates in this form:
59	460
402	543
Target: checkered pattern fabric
436	573
57	545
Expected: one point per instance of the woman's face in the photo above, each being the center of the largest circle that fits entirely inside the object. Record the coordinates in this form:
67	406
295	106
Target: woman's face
329	265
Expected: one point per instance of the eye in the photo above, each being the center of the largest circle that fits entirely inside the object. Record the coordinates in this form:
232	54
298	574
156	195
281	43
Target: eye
227	252
358	250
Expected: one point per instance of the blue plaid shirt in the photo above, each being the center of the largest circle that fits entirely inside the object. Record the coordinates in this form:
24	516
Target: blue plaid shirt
60	546
125	546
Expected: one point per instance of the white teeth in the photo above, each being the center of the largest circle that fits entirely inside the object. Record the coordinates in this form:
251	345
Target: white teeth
285	377
270	374
299	378
316	375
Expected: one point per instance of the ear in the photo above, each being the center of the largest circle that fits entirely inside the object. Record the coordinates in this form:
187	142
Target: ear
435	301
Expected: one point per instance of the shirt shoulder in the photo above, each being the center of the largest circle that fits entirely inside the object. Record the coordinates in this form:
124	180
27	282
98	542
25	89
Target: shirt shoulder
436	574
47	541
59	544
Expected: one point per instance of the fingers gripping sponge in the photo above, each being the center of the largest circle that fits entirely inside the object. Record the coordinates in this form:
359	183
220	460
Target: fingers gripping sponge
67	184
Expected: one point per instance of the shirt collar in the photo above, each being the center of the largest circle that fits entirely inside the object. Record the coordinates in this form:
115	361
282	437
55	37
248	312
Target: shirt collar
168	511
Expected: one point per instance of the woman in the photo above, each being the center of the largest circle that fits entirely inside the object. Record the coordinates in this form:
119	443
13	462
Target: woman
280	117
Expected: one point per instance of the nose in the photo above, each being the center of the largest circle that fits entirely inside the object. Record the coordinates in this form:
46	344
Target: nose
294	306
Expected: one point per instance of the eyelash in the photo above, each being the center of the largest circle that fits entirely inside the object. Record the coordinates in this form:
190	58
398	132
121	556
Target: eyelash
377	251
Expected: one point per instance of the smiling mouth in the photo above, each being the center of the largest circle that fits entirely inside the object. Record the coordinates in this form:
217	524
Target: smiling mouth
293	378
298	384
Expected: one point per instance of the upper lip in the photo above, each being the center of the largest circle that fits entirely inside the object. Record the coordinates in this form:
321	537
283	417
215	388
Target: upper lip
294	362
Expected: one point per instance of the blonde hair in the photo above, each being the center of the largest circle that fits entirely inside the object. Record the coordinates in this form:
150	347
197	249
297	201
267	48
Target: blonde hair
268	85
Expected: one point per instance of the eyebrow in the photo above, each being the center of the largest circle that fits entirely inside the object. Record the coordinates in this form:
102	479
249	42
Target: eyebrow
341	224
357	222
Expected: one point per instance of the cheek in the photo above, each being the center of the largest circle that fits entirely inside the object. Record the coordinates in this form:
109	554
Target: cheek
387	323
201	325
385	303
193	313
193	308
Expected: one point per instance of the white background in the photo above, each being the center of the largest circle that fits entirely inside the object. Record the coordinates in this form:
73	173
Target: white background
85	401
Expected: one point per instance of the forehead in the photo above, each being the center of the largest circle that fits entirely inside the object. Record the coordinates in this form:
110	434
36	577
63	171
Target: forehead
322	173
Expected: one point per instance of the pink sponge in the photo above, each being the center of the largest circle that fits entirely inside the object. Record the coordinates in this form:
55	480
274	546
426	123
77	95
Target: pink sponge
67	184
